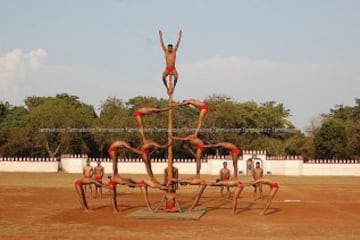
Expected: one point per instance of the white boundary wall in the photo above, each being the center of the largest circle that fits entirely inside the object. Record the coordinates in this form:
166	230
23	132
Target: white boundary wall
131	166
285	167
16	166
324	169
73	164
276	165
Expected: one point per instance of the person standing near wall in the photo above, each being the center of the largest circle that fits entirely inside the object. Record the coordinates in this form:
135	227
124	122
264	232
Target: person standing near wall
175	175
88	172
257	174
224	175
98	175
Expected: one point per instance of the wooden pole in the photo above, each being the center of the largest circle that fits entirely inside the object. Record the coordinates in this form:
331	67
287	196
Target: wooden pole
170	131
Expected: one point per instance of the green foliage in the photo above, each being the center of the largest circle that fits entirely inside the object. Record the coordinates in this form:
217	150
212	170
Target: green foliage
248	124
50	126
61	125
4	108
111	124
330	142
344	122
13	138
155	125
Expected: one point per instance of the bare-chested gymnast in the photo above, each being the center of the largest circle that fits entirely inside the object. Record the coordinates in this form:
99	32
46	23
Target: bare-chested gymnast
194	181
199	145
88	172
175	175
203	110
169	202
224	175
274	187
170	59
145	155
113	149
257	174
225	183
117	179
232	183
140	112
79	188
98	176
144	152
145	184
235	152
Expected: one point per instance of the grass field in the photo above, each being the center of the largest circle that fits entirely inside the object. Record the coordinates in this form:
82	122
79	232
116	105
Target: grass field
45	206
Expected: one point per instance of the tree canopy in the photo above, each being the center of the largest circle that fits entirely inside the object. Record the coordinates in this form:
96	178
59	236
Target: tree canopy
51	126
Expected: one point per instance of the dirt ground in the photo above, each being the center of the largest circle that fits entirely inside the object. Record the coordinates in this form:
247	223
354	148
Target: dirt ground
45	206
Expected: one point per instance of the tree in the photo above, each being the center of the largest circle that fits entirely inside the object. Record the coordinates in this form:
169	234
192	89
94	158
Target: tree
111	124
4	108
34	101
248	124
350	118
61	124
330	142
13	137
155	125
49	126
295	145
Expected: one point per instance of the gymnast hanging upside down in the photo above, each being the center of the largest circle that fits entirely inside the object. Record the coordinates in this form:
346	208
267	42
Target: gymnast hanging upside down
79	188
203	110
199	145
193	181
274	188
232	183
143	184
140	112
144	152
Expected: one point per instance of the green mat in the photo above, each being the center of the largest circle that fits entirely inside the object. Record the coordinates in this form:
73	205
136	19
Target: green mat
196	214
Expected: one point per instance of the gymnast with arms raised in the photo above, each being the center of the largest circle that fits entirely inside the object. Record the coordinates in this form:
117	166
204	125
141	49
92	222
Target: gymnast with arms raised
170	59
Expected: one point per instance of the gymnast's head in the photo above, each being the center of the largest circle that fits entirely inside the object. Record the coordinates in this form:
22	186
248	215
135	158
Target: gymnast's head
170	47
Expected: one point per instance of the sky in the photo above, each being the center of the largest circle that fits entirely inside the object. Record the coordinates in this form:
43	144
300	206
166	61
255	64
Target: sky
304	54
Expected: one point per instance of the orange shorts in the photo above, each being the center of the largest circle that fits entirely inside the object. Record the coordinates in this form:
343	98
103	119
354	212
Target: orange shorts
170	69
169	207
137	113
112	149
142	183
200	147
204	107
78	183
112	184
235	150
144	151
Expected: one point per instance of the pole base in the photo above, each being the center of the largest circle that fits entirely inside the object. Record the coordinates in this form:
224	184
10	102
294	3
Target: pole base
144	213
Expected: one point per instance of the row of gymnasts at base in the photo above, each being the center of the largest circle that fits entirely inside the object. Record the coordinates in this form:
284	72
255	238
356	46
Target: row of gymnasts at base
169	202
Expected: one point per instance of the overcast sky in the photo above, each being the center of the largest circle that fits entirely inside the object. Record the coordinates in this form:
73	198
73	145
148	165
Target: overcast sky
304	54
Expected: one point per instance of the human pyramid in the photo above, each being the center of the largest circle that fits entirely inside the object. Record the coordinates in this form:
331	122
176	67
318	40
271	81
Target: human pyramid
169	202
